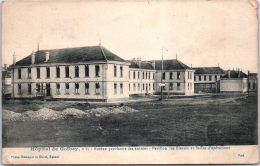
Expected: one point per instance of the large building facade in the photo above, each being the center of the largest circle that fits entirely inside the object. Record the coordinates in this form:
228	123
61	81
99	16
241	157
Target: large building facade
95	73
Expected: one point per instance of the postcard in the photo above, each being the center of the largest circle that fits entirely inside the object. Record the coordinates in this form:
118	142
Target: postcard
129	82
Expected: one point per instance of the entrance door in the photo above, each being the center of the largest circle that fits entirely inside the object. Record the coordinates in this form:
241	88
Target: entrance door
48	90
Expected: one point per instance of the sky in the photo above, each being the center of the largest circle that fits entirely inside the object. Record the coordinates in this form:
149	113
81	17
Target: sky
200	33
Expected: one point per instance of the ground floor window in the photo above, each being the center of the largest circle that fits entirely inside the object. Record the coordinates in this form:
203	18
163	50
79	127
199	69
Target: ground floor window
97	89
38	88
134	87
76	88
58	89
115	88
138	86
19	89
121	88
67	89
143	86
153	87
171	86
86	88
178	86
29	89
149	86
129	86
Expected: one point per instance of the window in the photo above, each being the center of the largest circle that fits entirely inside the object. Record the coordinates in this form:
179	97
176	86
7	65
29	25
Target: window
170	75
153	86
58	72
210	78
121	71
38	72
153	75
138	86
146	87
163	76
129	74
138	75
29	89
199	78
178	75
188	86
134	86
97	70
115	70
194	78
76	88
58	89
29	72
86	88
149	76
38	88
19	89
86	71
205	78
171	86
253	85
76	71
47	72
143	75
190	75
163	87
134	74
67	72
67	88
121	88
97	90
19	73
143	86
129	86
216	78
149	86
178	86
115	88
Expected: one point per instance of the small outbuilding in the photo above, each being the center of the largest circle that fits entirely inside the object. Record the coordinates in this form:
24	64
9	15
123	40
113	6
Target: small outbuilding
234	81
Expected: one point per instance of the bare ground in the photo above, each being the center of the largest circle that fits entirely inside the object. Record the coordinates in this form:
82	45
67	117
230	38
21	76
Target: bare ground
202	120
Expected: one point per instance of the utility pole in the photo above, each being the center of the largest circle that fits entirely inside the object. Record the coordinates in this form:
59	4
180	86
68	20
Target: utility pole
248	83
162	77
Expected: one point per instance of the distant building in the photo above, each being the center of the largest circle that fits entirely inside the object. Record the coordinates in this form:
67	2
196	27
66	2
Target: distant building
95	73
206	79
234	81
6	81
171	75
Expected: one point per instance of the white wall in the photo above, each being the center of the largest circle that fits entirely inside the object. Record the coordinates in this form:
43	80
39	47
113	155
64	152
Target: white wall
233	85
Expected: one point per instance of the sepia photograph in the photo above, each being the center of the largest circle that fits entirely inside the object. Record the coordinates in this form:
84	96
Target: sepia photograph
129	74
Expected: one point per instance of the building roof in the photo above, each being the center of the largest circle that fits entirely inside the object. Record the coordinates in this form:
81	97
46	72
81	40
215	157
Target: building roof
234	74
72	55
171	64
144	65
208	70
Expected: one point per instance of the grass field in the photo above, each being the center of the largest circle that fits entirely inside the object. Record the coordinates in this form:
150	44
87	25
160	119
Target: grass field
202	120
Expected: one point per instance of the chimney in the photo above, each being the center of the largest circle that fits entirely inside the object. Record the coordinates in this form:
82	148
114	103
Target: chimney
47	56
33	57
228	73
138	61
153	64
14	59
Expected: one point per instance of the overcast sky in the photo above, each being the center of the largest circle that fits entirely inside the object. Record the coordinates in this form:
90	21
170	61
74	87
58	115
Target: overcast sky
200	32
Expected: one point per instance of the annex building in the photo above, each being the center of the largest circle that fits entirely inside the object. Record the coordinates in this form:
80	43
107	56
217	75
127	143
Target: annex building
95	73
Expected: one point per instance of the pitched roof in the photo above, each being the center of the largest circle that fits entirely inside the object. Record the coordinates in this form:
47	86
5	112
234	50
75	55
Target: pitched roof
170	64
72	55
144	65
208	70
234	74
